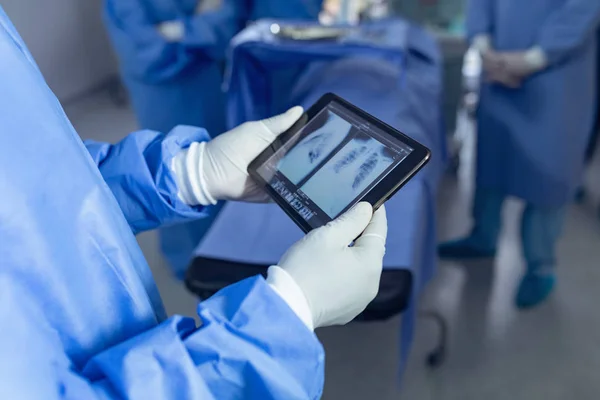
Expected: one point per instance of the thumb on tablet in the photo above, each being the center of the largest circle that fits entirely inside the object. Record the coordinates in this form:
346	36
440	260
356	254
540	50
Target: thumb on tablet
281	123
375	235
347	227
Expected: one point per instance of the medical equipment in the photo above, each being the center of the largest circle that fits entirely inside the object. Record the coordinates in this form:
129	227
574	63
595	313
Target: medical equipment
333	158
308	32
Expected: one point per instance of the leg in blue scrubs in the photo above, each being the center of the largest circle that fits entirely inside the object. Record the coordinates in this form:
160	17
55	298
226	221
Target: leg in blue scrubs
487	219
540	230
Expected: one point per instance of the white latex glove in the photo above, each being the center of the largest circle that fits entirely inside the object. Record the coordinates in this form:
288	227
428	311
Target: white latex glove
204	6
495	71
491	61
482	43
171	31
218	170
199	7
524	63
337	281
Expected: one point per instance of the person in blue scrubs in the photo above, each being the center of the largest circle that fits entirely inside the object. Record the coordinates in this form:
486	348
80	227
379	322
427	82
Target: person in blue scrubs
534	123
80	313
171	55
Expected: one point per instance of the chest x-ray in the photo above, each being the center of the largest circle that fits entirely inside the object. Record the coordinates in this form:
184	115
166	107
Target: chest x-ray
356	166
314	147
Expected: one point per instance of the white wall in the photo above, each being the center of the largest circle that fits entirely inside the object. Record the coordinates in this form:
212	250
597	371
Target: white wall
68	41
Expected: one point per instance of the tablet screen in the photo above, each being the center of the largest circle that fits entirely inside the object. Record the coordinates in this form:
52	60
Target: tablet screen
331	163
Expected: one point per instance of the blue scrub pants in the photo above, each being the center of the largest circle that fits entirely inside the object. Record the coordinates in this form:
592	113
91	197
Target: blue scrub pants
540	228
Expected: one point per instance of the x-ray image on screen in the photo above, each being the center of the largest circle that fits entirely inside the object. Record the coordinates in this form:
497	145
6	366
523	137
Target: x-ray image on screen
327	131
356	166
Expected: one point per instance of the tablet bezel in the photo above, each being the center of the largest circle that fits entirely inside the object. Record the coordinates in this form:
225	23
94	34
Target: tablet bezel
379	194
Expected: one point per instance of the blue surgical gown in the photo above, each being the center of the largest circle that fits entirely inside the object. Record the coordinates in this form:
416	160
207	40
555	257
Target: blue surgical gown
80	313
532	140
180	83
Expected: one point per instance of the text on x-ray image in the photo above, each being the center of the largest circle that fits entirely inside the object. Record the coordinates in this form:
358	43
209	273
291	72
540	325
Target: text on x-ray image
292	200
315	147
358	164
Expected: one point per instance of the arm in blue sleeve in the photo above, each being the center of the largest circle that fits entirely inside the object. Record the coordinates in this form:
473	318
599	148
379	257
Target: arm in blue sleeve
250	346
480	18
137	170
144	53
213	30
568	28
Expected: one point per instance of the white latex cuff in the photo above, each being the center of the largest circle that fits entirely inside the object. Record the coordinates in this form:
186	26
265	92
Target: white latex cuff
536	57
172	31
482	43
286	287
187	168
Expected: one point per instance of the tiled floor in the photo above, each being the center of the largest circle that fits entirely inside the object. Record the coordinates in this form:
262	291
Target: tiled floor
496	352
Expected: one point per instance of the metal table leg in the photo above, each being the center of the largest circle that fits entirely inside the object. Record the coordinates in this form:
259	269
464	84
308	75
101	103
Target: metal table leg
438	355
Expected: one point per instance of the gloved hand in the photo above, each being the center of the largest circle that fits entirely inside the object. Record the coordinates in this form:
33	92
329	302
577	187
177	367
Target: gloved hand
495	71
338	281
174	31
493	67
523	63
199	7
204	6
218	170
171	31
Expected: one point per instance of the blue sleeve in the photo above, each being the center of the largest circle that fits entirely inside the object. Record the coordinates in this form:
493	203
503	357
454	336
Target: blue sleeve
250	346
480	18
145	54
213	30
137	170
568	28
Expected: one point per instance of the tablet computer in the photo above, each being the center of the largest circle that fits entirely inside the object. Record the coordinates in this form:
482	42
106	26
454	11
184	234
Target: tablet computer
333	157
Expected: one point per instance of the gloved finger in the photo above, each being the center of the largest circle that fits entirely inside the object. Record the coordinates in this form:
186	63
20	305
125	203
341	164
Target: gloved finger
503	77
375	235
261	134
281	123
512	83
493	75
492	60
172	31
254	137
509	80
256	194
347	227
